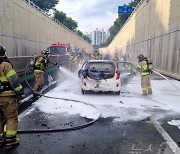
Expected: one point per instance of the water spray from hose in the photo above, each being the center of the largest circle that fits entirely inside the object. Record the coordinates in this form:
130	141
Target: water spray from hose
58	129
162	77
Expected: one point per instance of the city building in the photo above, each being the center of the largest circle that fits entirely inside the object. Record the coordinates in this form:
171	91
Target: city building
98	36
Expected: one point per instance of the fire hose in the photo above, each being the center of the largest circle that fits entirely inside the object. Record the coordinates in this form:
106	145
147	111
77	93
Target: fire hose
162	77
59	98
166	79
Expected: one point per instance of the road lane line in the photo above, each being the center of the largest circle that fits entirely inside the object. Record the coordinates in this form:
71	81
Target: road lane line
174	147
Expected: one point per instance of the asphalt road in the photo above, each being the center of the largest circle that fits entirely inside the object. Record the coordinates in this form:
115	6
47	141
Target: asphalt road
103	137
108	135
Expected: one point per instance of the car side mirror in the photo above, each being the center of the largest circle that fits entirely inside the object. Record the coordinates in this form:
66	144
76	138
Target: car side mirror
79	73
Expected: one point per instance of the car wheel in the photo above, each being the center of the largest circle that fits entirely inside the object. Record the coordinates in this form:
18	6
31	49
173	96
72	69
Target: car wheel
82	91
118	92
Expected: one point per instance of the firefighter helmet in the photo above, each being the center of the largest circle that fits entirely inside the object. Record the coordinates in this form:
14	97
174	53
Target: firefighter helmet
2	51
124	56
140	57
45	52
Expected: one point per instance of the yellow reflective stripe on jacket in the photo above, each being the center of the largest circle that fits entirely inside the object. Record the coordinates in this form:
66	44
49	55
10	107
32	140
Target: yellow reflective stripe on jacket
144	88
11	132
45	60
144	68
38	71
3	79
37	63
144	73
149	87
8	93
10	73
18	89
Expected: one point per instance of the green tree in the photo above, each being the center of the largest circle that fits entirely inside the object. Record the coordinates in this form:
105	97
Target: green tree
60	16
86	38
67	21
134	3
46	5
78	32
70	23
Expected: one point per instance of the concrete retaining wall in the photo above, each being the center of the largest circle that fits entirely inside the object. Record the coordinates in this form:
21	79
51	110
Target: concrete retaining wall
25	31
154	30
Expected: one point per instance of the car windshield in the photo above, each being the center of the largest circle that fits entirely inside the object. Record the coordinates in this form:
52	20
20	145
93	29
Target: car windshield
105	67
58	49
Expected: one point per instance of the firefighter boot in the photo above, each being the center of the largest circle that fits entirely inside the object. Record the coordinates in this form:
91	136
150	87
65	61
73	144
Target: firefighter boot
37	95
11	140
149	90
144	92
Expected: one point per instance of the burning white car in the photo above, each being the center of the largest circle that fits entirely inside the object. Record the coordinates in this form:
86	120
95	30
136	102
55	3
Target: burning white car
99	76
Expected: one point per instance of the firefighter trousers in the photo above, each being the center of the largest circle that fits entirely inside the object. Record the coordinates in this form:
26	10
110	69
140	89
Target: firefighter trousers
39	79
146	84
8	113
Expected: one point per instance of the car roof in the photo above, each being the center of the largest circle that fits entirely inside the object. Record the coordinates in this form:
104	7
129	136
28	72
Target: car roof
100	61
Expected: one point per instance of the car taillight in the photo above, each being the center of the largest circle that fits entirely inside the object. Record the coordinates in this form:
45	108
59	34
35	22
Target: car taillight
117	85
84	83
117	74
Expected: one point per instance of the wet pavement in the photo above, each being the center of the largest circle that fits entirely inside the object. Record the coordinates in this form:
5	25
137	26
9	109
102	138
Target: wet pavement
103	137
106	136
125	127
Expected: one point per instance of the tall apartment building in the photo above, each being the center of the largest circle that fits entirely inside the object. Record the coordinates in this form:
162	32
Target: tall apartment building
98	37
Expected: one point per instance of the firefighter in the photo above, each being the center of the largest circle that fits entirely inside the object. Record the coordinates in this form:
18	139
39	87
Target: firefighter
73	62
116	60
145	74
10	92
127	64
40	64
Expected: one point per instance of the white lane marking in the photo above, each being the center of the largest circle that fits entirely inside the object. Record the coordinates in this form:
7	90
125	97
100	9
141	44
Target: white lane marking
174	147
24	113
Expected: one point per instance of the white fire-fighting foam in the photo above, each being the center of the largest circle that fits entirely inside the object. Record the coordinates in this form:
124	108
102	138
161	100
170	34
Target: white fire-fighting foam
130	105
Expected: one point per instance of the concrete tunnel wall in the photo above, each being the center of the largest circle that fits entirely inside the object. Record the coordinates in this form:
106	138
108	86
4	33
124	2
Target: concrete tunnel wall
25	31
154	30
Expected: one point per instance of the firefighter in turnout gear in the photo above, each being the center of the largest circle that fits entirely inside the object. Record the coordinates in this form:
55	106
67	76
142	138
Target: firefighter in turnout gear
73	62
116	60
145	74
39	66
10	92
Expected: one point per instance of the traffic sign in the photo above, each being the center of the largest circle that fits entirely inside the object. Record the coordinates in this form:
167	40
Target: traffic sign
125	9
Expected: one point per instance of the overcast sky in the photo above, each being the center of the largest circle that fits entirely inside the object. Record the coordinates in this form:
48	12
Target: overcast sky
91	14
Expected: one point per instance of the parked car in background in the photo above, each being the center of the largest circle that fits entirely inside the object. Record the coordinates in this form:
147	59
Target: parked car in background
99	76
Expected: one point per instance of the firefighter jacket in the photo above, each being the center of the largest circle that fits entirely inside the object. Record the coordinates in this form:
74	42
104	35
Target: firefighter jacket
73	60
40	64
9	80
143	67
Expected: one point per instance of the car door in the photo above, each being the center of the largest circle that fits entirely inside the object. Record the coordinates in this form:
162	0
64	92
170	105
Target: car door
83	67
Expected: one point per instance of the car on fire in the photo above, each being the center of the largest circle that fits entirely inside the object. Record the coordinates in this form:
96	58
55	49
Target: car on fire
99	76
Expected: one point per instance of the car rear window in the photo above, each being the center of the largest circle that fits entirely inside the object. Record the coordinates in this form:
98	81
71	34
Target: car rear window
101	70
105	67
